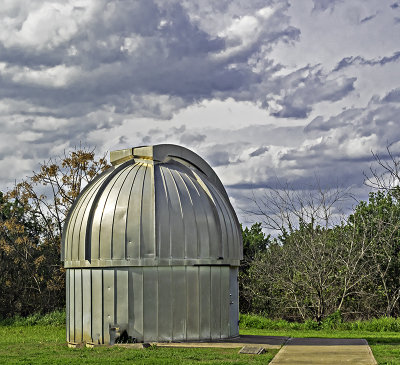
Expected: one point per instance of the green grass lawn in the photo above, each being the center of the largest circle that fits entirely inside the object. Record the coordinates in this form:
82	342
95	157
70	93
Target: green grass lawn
46	345
41	344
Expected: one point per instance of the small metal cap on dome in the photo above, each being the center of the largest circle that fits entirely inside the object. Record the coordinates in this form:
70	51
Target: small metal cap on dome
120	156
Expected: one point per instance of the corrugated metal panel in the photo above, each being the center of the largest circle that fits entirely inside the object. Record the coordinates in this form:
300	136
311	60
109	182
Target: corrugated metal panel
234	302
87	305
67	303
190	222
122	298
225	302
74	236
121	214
165	311
108	220
150	302
173	303
205	302
134	219
179	300
216	302
78	306
231	244
147	224
176	227
193	302
163	222
71	309
136	291
105	213
203	232
108	303
97	306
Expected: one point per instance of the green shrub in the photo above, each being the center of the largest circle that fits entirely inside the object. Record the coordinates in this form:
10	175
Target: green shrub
56	318
332	322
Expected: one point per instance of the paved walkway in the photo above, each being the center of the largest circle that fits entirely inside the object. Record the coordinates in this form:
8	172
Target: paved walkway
297	351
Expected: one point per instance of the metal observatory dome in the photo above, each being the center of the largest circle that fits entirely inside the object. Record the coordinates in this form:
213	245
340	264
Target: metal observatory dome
152	247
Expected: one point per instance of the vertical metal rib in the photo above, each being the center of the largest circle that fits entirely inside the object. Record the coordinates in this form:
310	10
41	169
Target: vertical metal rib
78	239
180	236
137	167
134	214
106	206
119	222
201	201
189	217
147	241
72	211
227	237
110	208
163	220
67	303
94	206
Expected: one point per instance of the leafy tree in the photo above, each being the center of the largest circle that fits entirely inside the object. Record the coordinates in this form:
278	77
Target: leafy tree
23	260
31	221
53	189
254	242
379	221
314	266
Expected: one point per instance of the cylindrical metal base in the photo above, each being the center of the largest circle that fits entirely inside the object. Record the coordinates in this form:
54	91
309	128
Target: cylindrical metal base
164	303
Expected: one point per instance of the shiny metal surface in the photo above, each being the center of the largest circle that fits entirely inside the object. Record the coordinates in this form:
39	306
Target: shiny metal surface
152	245
144	212
174	303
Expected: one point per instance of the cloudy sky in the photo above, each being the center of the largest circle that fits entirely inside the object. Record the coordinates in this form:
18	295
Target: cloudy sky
260	89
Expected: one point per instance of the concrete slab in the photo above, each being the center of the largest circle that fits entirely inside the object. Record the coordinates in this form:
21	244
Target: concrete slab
252	350
254	339
221	345
326	342
322	351
267	342
139	345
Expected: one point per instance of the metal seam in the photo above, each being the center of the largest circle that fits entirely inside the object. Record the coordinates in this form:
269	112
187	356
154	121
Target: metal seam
96	201
128	170
127	209
72	208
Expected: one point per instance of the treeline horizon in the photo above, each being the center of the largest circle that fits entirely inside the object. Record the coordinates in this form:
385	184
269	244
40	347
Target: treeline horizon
323	263
319	265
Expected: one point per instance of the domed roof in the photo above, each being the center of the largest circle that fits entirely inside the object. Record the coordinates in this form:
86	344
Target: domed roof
157	205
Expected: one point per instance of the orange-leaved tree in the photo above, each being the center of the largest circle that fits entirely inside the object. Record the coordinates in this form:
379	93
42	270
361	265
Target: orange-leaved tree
31	221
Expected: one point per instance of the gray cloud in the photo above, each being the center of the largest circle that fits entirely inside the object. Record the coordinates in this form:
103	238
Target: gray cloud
116	73
392	96
68	69
258	151
152	58
306	87
368	18
322	5
126	55
358	60
192	139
